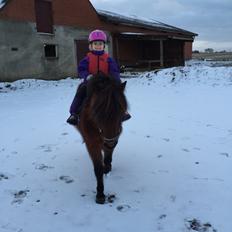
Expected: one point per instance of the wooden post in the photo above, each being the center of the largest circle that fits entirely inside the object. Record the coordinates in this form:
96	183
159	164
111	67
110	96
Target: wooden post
117	49
161	54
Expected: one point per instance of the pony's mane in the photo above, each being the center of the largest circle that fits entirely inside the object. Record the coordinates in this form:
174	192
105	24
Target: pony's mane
109	99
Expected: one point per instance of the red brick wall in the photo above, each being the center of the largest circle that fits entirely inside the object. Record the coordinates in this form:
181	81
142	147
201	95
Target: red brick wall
65	12
20	10
75	13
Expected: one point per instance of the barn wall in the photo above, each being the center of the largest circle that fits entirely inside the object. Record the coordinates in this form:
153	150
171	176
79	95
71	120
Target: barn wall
147	53
138	53
126	51
22	52
188	50
173	53
22	47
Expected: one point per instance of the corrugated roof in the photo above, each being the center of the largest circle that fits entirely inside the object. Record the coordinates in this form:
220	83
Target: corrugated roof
140	22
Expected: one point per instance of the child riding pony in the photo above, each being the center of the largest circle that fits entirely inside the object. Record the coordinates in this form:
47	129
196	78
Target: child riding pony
96	61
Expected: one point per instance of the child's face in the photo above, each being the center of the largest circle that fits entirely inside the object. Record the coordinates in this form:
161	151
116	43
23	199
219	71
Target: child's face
97	46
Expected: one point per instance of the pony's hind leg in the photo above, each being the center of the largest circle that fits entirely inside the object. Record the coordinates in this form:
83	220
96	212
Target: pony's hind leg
107	160
108	149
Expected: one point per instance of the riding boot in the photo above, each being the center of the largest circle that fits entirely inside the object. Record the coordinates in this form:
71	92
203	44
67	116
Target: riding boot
126	116
76	105
73	119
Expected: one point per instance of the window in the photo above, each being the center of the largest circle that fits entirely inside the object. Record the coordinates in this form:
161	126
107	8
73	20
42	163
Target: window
14	49
50	50
44	17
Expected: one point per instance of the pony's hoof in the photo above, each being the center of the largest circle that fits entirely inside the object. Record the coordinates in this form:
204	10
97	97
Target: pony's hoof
100	199
107	169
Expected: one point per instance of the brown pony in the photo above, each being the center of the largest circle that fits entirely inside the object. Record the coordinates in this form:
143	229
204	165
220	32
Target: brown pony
101	124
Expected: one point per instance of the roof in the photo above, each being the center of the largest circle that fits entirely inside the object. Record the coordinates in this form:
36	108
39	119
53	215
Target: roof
1	5
135	21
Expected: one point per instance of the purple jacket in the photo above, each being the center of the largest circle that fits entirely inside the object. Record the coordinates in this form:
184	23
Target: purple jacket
84	66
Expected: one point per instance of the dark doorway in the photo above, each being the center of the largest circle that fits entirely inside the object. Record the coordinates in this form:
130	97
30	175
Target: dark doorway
82	48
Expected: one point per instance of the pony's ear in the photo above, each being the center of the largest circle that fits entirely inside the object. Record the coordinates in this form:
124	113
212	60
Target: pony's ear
123	85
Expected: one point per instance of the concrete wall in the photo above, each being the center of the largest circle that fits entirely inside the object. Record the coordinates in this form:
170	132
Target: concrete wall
22	51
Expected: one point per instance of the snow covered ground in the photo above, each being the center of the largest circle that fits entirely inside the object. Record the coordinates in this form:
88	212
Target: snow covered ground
171	169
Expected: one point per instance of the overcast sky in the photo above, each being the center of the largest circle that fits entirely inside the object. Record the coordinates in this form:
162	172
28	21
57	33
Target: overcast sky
210	19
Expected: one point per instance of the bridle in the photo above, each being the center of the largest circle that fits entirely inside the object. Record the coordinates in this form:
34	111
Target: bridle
110	143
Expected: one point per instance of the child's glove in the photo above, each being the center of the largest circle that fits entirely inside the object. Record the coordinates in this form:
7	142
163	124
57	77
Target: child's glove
89	77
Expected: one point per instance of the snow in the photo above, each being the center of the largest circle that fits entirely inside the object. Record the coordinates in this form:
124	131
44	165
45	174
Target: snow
171	169
2	4
131	33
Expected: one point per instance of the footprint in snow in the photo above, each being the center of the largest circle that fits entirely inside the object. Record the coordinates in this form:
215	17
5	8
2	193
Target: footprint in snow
64	133
46	147
136	191
225	154
185	149
19	196
162	216
123	208
110	198
148	136
197	225
166	139
66	179
173	198
14	152
3	177
43	167
209	125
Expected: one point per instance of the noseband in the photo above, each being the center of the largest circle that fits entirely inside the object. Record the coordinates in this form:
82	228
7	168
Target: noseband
110	143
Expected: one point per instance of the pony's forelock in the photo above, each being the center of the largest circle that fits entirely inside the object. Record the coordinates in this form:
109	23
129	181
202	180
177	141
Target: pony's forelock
109	99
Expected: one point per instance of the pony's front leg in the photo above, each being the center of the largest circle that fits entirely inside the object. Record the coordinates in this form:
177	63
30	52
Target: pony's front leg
95	153
99	171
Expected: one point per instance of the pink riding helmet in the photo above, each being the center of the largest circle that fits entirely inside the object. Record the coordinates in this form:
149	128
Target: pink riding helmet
97	35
